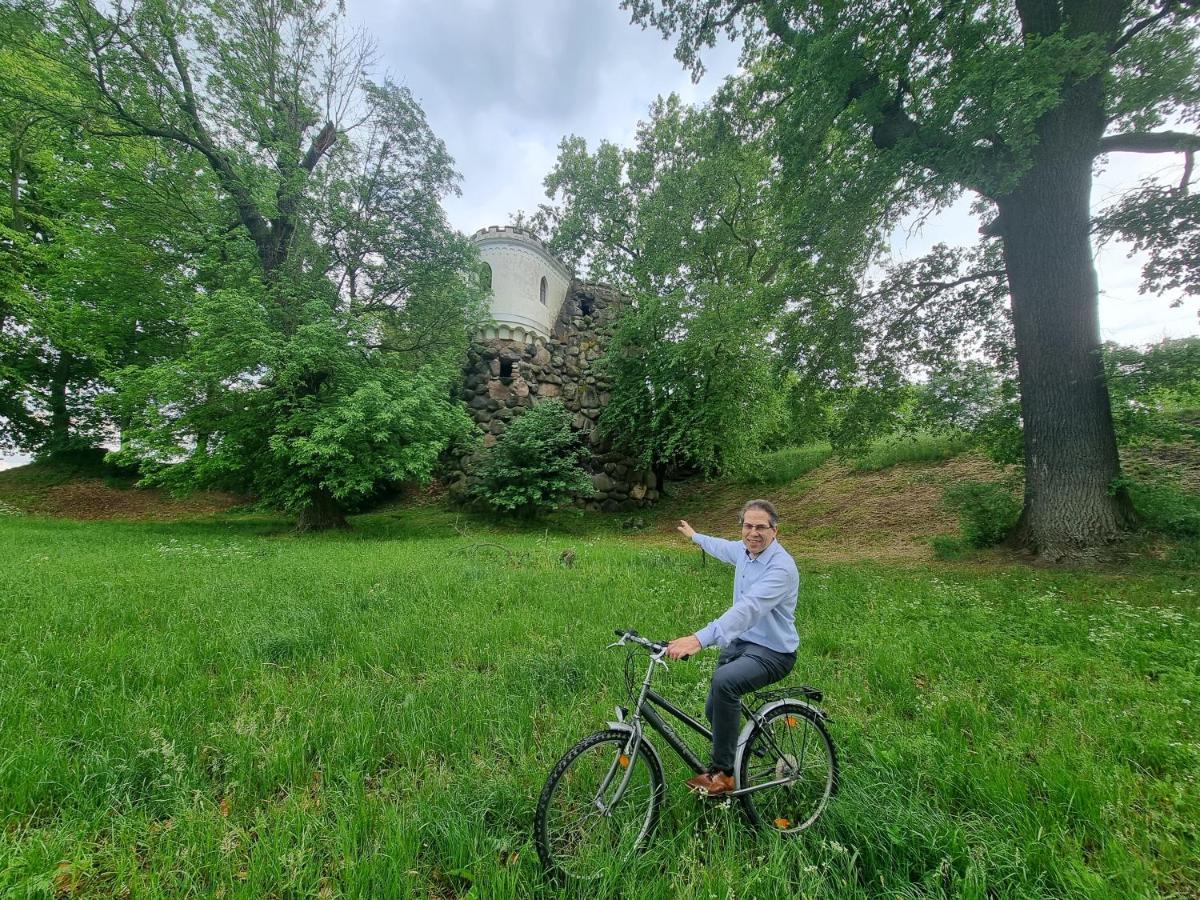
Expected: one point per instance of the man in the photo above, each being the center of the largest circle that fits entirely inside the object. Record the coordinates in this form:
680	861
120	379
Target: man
757	635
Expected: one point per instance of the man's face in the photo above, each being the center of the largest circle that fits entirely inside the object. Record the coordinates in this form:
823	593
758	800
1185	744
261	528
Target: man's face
757	532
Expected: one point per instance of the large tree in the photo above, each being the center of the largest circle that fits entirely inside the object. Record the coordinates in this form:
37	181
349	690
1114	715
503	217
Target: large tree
328	313
1014	101
95	244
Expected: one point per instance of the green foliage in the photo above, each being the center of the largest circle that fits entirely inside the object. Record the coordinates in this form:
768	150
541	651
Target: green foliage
1153	389
702	401
949	548
987	510
1165	507
95	247
882	109
1163	224
307	353
536	466
278	414
680	222
784	466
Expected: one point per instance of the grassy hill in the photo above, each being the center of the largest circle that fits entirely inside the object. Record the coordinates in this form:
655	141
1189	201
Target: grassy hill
86	492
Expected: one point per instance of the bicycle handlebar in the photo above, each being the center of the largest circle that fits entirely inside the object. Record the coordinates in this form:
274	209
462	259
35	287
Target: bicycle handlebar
630	635
656	647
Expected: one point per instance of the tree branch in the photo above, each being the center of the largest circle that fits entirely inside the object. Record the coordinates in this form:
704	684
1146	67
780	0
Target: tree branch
320	144
1149	142
1140	26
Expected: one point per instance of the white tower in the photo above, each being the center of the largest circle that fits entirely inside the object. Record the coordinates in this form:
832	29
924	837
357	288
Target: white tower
528	284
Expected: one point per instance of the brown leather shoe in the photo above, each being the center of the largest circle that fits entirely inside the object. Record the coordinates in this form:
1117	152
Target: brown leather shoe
701	782
720	783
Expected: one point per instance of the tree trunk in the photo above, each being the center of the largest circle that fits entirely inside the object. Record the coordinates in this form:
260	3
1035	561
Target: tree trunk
1071	459
60	414
322	513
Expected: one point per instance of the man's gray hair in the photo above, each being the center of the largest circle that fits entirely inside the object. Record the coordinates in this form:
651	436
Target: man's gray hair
765	505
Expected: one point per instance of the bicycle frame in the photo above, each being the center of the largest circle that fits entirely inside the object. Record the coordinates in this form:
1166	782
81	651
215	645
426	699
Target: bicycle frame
643	709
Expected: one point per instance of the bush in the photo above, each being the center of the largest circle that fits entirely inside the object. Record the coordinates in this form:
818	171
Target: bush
987	511
1166	508
535	466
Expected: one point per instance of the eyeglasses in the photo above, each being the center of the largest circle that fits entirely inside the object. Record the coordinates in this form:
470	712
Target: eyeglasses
759	529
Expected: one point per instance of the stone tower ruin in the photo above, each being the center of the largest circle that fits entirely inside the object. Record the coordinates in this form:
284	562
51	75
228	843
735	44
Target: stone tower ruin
548	331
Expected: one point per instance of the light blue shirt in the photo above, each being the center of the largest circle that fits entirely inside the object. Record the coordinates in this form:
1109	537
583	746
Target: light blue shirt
764	597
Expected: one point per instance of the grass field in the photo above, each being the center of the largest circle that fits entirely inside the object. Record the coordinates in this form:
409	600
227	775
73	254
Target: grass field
226	709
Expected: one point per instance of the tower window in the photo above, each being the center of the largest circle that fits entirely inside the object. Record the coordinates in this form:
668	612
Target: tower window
542	291
485	276
586	306
506	368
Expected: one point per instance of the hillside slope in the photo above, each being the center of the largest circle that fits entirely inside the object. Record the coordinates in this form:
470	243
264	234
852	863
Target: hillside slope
47	490
834	512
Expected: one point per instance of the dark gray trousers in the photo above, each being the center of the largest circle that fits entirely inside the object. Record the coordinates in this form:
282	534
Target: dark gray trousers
741	667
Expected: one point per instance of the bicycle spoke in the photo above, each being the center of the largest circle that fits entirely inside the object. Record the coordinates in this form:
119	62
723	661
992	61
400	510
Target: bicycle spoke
598	809
790	753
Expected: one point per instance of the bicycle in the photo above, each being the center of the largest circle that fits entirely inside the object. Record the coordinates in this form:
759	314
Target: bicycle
601	802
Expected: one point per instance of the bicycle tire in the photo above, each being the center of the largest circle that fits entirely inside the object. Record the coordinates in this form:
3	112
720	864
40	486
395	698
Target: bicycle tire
577	851
791	741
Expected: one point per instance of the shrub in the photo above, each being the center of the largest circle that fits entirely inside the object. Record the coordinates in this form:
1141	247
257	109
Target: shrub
535	466
987	510
1166	508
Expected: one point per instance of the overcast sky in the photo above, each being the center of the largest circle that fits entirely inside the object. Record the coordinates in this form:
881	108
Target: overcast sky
503	82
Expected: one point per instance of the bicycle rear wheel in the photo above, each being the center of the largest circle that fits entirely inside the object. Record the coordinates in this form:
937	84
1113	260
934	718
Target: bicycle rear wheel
587	823
790	746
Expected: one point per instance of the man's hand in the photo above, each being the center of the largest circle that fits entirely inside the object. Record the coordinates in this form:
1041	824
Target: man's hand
685	529
684	646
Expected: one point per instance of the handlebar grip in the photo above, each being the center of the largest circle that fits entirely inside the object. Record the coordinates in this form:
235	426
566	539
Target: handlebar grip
618	632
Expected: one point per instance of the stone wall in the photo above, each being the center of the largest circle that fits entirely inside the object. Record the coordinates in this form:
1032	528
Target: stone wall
504	377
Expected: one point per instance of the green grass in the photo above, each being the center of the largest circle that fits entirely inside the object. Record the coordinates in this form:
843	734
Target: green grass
902	448
227	709
786	465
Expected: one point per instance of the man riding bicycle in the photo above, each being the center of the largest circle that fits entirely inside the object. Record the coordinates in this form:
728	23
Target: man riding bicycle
756	636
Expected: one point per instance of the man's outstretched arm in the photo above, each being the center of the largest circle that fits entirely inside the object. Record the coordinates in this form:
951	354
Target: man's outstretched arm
726	551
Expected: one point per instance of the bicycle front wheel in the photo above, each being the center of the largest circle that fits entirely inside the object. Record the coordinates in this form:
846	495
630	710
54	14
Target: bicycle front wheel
792	751
598	807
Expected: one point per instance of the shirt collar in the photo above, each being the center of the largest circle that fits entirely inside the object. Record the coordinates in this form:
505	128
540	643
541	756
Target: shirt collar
765	555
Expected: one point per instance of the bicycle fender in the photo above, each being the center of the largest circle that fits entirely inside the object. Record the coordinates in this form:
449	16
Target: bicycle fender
748	728
646	745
